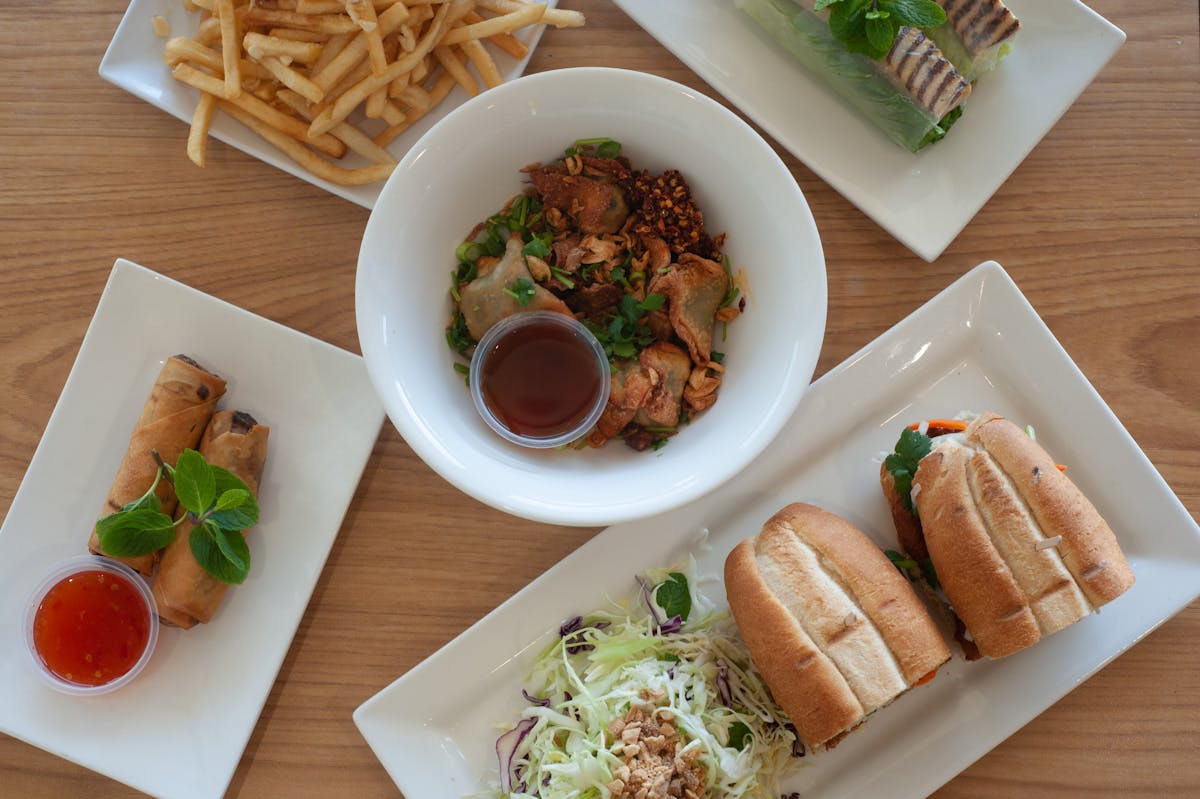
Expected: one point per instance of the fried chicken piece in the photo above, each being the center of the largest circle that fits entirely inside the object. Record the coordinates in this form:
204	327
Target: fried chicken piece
596	206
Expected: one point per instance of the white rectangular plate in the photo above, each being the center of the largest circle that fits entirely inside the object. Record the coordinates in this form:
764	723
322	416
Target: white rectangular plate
924	200
134	62
179	729
977	345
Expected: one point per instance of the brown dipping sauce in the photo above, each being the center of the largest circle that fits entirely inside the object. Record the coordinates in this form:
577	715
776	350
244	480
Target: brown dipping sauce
540	379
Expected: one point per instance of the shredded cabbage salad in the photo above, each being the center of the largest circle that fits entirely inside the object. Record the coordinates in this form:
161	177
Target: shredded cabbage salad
668	656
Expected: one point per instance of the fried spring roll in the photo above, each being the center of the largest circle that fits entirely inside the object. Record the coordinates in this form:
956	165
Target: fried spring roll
185	592
173	419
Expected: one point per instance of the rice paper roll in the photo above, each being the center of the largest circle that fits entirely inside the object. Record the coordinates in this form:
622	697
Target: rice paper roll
173	419
912	96
184	591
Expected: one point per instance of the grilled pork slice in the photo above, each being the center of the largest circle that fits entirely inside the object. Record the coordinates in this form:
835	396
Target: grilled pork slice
917	67
982	25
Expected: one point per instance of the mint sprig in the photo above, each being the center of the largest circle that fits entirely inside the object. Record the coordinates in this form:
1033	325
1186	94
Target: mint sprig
218	503
870	26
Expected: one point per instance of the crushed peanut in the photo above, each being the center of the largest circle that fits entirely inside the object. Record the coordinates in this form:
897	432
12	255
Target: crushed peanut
655	766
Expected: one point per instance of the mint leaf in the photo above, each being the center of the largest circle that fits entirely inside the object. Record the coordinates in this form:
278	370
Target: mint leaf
131	533
739	735
673	596
823	4
213	547
233	547
225	480
233	517
902	463
881	30
915	13
232	498
848	23
195	483
147	501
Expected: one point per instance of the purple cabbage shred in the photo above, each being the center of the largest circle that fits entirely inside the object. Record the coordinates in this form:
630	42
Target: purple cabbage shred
537	700
506	751
723	683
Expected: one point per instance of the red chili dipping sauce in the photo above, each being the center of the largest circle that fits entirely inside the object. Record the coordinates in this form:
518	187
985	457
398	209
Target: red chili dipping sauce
541	380
91	627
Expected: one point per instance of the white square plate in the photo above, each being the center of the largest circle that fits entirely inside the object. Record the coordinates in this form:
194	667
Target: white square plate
924	200
134	62
977	345
179	729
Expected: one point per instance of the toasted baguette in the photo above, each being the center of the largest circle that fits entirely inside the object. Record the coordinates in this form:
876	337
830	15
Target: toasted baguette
835	630
992	506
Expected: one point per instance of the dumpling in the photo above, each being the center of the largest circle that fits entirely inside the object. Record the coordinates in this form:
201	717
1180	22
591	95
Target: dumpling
671	367
483	301
694	288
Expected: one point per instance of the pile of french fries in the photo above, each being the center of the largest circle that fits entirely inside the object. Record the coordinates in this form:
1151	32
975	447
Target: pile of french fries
297	72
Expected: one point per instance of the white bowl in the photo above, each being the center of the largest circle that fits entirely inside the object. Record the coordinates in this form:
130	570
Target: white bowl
465	168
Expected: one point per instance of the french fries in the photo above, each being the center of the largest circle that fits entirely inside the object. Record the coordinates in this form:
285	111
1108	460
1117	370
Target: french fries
321	78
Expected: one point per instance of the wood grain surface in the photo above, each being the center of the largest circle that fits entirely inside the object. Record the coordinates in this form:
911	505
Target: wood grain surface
1099	227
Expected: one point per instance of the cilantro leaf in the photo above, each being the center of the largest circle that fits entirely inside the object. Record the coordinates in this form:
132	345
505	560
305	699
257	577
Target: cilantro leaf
673	596
522	291
902	463
458	335
539	246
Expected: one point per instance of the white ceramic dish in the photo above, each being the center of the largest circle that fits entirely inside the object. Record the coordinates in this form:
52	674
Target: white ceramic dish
134	62
179	729
923	200
977	345
453	178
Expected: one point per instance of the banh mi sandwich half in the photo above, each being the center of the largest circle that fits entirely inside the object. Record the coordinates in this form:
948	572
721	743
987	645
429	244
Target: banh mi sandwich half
834	629
1018	550
910	78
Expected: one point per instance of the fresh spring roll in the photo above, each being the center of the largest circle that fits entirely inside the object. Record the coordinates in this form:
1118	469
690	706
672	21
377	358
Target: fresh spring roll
172	420
185	592
977	34
913	94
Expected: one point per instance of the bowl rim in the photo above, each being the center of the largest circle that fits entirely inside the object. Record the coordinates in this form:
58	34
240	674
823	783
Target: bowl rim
419	437
59	572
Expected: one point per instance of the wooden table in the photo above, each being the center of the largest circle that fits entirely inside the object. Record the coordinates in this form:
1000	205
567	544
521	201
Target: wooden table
1098	227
